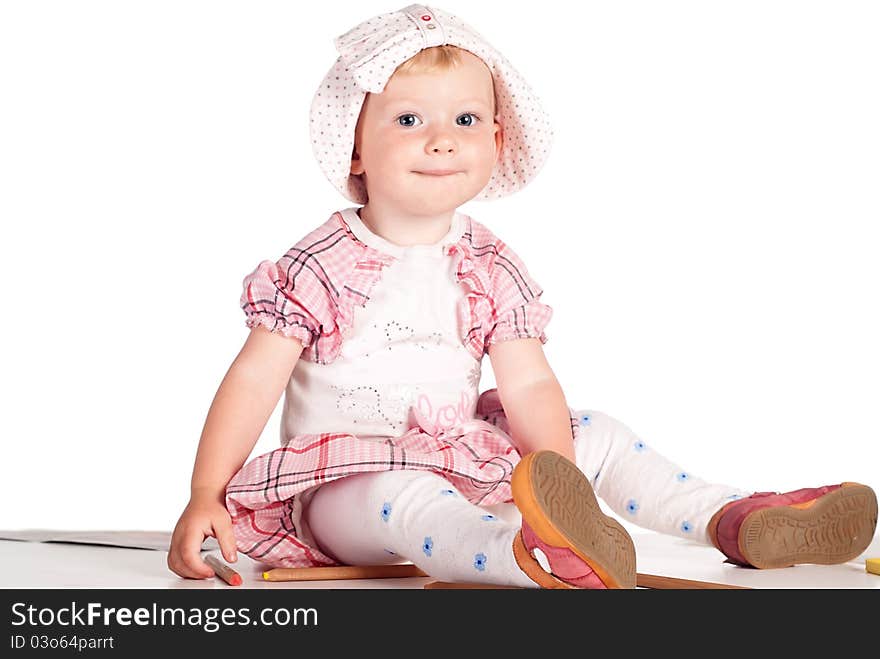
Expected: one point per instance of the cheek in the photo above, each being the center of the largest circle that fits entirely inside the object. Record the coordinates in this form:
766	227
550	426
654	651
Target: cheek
389	152
483	150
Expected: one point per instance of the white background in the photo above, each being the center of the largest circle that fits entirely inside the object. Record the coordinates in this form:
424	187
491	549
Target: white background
705	229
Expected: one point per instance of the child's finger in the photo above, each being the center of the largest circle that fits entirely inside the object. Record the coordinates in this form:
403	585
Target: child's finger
226	539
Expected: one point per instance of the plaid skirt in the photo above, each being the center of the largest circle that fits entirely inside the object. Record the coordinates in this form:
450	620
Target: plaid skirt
265	498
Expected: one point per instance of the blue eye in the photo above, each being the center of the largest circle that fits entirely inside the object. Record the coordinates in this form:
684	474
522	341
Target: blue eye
408	124
410	120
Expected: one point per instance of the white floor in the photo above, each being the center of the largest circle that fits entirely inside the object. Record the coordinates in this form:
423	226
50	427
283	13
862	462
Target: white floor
66	565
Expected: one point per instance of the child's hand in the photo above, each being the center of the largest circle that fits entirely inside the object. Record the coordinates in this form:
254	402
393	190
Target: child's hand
202	517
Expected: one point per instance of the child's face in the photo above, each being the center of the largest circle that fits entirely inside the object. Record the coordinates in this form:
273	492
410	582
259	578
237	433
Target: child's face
428	121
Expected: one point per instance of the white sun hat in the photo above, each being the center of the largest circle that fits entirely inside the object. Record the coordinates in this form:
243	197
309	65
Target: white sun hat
368	55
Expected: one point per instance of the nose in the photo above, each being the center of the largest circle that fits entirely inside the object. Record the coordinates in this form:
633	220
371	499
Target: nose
440	142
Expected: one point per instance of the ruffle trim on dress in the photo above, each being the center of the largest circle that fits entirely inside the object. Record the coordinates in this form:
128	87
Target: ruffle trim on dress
266	302
480	322
475	305
317	310
355	290
312	291
505	331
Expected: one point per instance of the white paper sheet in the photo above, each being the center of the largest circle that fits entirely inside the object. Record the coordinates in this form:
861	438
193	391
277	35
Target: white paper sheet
158	540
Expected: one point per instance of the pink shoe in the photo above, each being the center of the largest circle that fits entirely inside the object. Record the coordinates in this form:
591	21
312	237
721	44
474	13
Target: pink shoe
562	520
825	525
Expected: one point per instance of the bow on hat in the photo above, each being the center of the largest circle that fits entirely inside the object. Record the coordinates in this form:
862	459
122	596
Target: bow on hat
398	36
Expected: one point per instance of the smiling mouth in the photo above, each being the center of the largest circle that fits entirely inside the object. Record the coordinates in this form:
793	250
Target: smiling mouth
437	173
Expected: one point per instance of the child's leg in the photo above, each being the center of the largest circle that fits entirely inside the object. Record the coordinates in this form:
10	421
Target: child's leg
642	486
827	525
386	517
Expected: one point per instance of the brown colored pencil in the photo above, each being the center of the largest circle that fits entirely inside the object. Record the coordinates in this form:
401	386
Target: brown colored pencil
643	580
675	583
223	571
342	572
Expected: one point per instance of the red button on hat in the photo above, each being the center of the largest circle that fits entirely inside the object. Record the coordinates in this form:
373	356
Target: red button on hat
426	17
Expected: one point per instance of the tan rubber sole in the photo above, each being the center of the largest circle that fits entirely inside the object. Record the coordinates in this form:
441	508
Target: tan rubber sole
558	503
835	529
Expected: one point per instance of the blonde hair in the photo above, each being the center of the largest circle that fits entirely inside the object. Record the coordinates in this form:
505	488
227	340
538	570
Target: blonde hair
429	60
437	58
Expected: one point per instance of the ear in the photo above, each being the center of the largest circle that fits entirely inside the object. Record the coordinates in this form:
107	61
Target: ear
357	167
499	138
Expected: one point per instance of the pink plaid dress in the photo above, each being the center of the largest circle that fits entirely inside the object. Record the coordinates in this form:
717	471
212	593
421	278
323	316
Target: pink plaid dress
311	294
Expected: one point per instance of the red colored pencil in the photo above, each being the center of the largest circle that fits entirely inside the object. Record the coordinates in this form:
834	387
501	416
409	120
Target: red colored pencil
223	571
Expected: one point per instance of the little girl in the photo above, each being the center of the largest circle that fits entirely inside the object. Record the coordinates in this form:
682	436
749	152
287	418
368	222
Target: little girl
375	325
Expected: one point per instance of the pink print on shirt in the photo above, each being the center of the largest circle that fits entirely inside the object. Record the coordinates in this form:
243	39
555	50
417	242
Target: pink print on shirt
446	416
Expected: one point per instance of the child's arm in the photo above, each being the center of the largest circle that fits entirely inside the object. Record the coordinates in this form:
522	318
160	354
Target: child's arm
532	398
242	405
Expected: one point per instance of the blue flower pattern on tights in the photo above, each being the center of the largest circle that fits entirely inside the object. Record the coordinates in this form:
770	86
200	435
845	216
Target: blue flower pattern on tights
632	506
428	546
488	518
640	446
448	493
585	420
682	476
385	512
480	561
686	526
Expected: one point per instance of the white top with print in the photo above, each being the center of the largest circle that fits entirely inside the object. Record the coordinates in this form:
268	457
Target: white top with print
404	351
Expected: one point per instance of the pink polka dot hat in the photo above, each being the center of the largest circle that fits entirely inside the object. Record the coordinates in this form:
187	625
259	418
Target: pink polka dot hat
368	55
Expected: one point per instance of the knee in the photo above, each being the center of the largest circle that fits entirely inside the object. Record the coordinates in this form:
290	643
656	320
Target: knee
599	434
593	419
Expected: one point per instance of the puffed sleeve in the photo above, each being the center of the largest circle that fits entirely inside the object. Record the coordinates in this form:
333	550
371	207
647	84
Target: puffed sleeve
289	297
517	310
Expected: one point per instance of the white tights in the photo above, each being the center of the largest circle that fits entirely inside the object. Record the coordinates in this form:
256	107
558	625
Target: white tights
395	516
